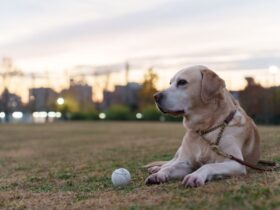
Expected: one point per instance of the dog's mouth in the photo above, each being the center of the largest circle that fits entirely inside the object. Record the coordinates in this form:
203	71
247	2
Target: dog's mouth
175	113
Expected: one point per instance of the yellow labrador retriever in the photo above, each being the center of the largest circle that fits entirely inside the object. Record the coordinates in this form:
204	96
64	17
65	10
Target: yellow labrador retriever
200	96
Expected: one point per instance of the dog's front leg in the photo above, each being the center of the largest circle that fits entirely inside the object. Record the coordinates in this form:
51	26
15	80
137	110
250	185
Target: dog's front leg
172	170
206	172
156	166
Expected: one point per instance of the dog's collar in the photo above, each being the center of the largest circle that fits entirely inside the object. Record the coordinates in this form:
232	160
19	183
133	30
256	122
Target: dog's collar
222	125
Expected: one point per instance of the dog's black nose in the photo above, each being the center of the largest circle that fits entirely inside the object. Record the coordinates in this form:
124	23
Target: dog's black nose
158	97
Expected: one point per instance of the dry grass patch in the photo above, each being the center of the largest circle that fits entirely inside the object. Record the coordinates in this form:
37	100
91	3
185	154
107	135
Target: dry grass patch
68	166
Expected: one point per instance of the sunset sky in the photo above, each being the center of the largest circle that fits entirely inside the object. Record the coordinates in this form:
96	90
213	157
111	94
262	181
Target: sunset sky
236	38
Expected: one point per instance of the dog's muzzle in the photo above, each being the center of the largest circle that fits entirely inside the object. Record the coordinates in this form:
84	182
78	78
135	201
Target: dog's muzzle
158	97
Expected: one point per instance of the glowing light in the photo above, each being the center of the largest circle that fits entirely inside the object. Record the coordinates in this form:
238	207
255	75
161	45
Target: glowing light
2	115
43	114
17	115
60	101
51	114
58	114
273	69
102	116
139	116
39	114
35	114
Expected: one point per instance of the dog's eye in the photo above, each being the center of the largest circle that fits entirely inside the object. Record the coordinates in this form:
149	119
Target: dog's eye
181	82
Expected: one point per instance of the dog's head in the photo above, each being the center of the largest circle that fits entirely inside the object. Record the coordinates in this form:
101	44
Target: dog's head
189	88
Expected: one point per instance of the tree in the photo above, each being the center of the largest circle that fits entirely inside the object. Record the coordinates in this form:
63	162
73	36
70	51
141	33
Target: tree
257	102
148	89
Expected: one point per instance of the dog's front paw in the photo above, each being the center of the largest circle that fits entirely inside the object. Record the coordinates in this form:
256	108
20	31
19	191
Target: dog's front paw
156	178
193	180
154	169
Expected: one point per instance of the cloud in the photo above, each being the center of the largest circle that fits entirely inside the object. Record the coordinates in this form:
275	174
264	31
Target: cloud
162	15
236	30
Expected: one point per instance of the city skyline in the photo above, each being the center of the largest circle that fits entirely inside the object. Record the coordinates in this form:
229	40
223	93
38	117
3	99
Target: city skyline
113	76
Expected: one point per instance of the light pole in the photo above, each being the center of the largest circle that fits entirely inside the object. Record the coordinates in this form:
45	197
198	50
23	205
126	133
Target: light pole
273	70
60	101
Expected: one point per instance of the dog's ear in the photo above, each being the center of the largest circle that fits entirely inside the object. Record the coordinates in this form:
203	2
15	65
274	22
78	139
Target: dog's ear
211	85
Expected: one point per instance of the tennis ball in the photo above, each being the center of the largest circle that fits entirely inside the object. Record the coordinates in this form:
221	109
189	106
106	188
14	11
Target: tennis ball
120	177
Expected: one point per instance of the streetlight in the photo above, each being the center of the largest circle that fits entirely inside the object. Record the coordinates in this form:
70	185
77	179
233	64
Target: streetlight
102	116
139	115
17	115
60	101
2	115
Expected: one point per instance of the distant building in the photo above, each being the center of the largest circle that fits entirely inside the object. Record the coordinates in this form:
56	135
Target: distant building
81	93
10	102
125	95
40	99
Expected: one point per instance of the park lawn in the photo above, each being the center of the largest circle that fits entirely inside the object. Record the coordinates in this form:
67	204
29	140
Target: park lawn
69	166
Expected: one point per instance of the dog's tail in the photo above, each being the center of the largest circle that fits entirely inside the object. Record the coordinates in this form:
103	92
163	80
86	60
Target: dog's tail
156	163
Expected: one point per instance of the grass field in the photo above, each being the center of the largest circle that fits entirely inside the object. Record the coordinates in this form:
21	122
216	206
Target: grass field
69	165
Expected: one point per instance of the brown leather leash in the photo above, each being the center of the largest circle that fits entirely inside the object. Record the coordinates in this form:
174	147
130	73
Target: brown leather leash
271	165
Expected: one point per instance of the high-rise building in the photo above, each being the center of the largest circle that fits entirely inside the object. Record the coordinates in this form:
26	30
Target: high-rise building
125	95
81	93
40	99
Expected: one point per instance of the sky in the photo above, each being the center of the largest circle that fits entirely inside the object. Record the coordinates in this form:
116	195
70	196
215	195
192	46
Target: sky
236	38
